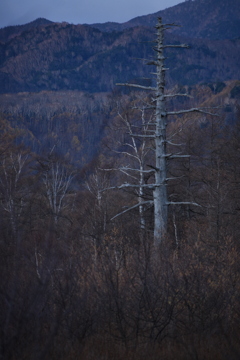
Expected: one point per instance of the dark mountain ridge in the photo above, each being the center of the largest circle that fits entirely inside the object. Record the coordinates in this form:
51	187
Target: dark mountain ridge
64	56
212	19
59	56
76	57
10	32
205	19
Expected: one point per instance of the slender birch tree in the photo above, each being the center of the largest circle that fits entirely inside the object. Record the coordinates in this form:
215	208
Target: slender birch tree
136	154
57	181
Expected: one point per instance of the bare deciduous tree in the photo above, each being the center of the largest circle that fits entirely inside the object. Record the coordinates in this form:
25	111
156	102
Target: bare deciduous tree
57	181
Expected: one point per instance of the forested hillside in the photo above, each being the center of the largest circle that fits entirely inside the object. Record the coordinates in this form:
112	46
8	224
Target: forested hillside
56	56
206	19
71	57
78	280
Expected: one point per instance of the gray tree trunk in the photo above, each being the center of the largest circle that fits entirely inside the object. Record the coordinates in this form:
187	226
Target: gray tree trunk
160	191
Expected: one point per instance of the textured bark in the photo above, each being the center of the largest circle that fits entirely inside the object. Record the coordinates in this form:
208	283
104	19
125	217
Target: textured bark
160	191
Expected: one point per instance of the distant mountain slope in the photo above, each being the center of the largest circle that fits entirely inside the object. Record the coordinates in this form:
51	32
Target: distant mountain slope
59	56
64	56
10	32
68	57
206	19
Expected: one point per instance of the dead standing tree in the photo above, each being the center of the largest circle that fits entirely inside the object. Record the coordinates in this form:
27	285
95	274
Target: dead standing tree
158	135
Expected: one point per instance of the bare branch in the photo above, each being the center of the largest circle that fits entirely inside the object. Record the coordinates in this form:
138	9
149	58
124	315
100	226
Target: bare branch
138	86
133	207
171	24
123	186
190	110
175	177
125	153
173	144
143	136
156	63
126	173
138	170
174	95
177	46
183	203
165	26
175	156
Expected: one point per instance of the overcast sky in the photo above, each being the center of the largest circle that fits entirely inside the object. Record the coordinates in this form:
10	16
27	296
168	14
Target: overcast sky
17	12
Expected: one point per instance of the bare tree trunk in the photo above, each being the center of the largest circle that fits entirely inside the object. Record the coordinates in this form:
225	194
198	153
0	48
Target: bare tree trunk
160	191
